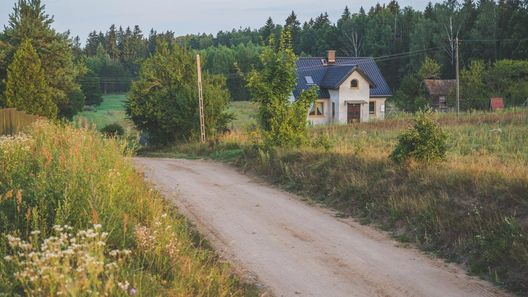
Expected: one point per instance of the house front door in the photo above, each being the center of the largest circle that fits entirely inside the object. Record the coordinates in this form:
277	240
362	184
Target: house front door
354	113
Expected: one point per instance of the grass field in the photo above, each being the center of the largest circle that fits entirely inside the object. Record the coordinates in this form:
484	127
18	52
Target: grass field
111	110
76	219
472	208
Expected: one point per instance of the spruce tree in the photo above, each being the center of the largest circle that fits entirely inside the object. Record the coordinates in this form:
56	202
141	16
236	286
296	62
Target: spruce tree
30	21
26	88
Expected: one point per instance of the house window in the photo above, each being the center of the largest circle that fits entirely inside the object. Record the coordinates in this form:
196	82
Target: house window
333	109
354	83
372	107
317	109
309	80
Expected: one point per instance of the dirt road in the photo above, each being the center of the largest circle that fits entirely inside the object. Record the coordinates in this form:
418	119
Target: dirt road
295	249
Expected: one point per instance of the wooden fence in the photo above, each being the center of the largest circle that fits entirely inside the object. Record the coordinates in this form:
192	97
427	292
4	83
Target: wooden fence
13	121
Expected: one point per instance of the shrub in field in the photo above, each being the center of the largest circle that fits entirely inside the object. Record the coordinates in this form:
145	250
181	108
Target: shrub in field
113	129
424	141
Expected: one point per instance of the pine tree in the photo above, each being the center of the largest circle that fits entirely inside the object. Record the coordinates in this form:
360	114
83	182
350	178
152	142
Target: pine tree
294	26
26	85
111	43
91	44
267	30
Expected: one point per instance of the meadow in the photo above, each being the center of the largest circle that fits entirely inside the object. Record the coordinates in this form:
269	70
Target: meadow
111	110
77	220
471	208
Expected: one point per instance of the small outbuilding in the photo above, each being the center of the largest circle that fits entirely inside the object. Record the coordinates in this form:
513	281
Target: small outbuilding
439	90
496	103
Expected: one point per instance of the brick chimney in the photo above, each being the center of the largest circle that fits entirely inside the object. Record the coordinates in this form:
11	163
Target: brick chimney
331	57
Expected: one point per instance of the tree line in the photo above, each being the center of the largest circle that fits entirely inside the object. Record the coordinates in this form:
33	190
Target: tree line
493	37
399	38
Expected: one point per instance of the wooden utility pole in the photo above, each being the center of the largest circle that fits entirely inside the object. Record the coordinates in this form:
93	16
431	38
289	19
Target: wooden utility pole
457	76
200	99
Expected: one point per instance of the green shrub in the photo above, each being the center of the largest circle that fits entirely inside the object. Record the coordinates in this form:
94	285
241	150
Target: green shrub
163	101
424	141
113	129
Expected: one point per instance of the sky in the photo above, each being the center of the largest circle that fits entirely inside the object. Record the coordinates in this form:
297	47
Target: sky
185	17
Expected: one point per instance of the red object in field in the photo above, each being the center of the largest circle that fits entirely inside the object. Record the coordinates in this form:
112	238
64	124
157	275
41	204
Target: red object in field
497	103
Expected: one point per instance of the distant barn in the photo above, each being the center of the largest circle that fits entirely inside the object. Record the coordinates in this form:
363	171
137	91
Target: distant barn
438	90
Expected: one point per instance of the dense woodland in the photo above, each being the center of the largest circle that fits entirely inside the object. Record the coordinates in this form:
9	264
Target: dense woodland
493	44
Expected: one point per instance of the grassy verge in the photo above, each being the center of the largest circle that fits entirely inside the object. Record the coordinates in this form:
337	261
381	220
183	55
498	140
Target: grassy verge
472	209
78	202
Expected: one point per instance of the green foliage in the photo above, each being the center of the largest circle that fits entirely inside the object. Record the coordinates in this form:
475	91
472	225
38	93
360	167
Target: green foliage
509	79
112	75
235	63
74	105
28	21
91	87
412	96
283	122
473	88
164	101
430	69
26	86
424	141
112	130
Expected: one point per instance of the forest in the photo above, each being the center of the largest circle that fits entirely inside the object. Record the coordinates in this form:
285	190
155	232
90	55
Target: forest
492	36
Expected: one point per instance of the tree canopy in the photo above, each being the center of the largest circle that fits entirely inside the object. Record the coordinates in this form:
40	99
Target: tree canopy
164	100
29	21
283	122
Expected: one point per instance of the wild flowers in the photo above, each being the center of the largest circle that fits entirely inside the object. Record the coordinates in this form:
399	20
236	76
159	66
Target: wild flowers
68	264
60	174
159	236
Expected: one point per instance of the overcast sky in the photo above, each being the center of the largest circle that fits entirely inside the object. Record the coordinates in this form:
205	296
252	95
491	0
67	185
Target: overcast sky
183	17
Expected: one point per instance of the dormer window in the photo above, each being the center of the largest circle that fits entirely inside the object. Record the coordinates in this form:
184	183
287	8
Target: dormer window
354	83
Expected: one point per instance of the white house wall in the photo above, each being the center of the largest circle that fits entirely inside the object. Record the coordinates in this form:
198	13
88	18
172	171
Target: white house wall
379	110
361	94
334	97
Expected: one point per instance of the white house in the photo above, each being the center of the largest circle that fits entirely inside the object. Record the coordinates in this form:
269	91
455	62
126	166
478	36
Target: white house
350	89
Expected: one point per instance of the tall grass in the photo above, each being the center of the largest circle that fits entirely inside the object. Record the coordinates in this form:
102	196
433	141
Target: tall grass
57	175
472	209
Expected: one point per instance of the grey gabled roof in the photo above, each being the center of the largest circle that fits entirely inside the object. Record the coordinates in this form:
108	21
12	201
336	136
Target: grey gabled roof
328	77
439	87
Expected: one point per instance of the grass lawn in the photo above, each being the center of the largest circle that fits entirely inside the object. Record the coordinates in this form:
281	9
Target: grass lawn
111	110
